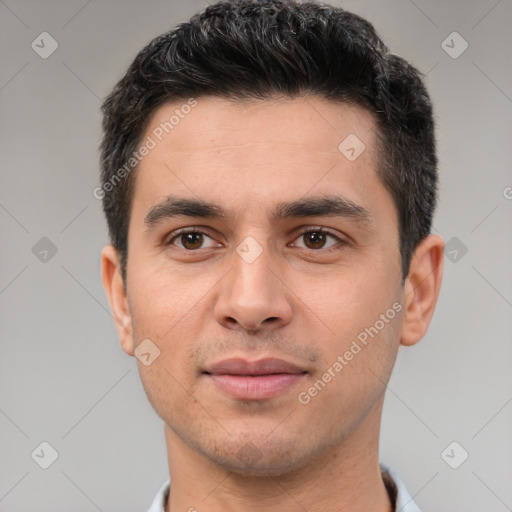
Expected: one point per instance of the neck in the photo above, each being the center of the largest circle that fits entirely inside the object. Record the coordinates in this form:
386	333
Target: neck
346	477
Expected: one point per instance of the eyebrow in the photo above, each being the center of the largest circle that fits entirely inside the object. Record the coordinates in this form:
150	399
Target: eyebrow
330	206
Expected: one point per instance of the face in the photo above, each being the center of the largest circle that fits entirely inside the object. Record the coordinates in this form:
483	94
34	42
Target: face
275	299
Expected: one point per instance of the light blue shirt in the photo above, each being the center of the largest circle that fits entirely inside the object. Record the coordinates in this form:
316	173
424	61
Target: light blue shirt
404	502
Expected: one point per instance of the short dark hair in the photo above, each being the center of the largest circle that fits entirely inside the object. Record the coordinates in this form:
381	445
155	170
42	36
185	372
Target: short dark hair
246	49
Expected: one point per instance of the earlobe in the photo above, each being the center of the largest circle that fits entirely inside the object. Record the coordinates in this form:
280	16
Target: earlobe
421	289
116	294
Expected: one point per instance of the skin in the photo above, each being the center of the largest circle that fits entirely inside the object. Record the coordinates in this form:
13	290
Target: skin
305	305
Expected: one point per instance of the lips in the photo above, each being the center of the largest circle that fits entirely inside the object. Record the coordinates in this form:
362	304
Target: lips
254	380
238	366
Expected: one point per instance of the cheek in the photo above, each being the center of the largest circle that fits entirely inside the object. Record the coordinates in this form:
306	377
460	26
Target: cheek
363	319
166	310
163	302
354	378
170	381
349	301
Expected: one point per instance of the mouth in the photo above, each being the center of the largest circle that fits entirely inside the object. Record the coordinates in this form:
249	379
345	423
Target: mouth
254	380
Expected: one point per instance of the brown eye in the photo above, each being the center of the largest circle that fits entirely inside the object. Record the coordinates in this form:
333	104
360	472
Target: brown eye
314	239
317	239
191	240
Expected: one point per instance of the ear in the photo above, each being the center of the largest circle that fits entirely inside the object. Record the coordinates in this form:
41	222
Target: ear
116	293
421	288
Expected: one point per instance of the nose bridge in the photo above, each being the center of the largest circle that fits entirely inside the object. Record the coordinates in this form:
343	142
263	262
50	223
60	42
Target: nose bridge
251	271
252	294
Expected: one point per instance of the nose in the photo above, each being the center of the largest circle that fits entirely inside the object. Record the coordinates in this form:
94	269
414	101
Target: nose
252	296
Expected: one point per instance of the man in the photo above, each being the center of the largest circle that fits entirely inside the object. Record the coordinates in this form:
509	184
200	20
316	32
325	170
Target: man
269	180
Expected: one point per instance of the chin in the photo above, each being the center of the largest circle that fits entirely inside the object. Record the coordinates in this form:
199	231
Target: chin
262	469
261	459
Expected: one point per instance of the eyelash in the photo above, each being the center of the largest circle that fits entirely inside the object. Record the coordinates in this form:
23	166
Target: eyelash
313	229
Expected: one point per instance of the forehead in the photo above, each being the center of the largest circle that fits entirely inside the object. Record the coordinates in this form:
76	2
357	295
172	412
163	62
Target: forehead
309	123
248	154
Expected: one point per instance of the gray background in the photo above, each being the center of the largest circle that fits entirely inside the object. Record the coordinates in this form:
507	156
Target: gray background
63	376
